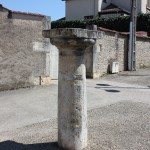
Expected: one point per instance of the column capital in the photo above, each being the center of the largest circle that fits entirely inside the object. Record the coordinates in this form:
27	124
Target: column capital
76	38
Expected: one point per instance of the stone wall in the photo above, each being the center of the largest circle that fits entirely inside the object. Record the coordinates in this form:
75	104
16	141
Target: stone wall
27	59
22	65
113	47
88	58
143	52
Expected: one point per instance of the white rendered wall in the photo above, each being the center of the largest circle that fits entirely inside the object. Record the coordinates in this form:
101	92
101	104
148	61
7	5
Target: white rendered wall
143	7
77	9
102	5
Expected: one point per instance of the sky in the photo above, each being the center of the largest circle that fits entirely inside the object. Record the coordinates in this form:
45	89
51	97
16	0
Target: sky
53	8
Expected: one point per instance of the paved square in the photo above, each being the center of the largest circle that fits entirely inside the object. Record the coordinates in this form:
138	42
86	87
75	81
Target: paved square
118	114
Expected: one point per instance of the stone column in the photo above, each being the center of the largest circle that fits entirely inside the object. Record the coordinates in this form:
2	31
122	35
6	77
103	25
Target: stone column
72	101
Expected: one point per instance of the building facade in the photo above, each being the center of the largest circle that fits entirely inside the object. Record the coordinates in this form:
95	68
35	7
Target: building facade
80	9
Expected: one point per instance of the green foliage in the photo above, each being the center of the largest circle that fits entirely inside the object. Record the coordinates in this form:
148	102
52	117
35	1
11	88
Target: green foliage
143	22
114	23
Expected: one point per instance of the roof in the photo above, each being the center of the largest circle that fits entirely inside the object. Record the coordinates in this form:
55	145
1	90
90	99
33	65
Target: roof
19	12
64	18
4	7
27	13
113	9
148	9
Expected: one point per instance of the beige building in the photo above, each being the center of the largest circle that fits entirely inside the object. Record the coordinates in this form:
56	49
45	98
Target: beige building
80	9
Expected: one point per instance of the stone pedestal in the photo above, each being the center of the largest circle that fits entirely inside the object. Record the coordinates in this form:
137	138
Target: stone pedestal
72	101
72	105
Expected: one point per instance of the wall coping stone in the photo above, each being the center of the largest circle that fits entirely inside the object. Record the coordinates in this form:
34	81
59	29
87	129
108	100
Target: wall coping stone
138	33
73	33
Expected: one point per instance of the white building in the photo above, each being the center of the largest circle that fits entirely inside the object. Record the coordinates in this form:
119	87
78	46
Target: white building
80	9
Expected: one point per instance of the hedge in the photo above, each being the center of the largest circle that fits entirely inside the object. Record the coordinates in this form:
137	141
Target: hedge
114	23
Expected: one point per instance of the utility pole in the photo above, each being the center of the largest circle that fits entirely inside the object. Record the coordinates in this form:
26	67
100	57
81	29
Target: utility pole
132	45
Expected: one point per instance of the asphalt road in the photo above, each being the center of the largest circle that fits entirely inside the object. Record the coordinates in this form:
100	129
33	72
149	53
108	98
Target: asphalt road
118	114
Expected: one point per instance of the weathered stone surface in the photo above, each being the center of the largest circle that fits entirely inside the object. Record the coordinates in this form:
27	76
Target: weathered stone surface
72	101
72	114
72	33
20	64
113	46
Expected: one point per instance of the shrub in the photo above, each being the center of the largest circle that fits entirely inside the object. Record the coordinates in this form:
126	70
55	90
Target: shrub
114	23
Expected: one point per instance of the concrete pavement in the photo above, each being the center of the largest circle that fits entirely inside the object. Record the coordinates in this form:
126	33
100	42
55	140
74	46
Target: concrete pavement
118	112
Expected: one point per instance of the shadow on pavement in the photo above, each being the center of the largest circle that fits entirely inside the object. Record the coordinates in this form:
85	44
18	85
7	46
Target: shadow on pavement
118	87
11	145
112	91
102	84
